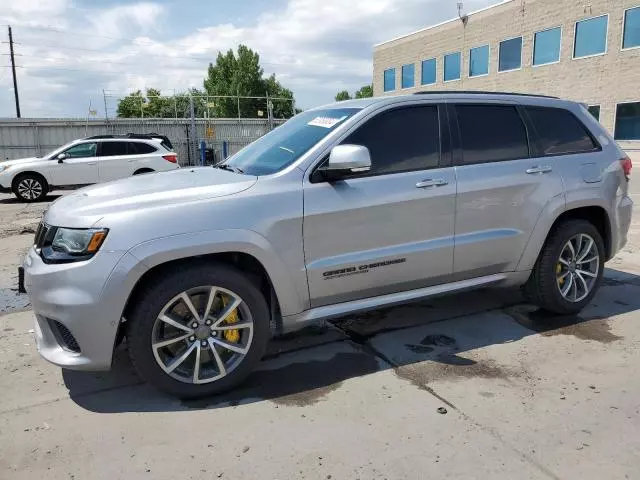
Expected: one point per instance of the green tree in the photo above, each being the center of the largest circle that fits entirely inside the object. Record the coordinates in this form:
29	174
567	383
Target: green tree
241	75
154	105
365	92
343	95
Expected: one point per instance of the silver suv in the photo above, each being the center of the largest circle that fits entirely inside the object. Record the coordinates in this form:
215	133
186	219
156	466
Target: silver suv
345	208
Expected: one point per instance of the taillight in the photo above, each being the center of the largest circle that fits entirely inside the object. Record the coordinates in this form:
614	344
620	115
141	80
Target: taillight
171	158
626	165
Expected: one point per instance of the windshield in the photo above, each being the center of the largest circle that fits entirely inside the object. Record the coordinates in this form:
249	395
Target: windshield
55	152
284	145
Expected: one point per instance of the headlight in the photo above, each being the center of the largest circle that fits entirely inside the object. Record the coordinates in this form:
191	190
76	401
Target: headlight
73	245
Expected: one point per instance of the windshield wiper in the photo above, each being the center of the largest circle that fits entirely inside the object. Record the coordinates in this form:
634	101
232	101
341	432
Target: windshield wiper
229	168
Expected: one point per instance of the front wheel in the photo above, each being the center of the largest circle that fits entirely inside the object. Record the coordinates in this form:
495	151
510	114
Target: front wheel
569	270
30	187
198	331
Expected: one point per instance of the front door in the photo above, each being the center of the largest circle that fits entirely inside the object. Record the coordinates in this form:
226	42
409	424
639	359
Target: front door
80	167
387	230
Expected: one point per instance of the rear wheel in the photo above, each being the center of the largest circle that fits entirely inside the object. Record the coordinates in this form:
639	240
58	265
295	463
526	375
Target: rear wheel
198	331
30	187
569	270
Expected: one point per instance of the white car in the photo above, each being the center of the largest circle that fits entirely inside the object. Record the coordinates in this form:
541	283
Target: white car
83	162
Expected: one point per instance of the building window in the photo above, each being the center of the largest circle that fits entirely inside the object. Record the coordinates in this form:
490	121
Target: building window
546	46
631	36
428	71
594	110
510	54
479	61
452	66
590	37
390	80
628	121
408	72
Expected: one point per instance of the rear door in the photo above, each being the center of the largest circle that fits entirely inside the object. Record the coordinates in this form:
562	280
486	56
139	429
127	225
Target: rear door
503	186
389	229
113	160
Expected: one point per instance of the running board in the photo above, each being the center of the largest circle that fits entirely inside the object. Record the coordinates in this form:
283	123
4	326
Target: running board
294	322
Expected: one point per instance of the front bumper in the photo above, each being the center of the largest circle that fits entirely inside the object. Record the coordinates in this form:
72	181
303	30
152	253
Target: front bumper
84	300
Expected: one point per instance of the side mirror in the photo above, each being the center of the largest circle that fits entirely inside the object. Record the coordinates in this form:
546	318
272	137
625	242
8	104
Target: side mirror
345	160
61	157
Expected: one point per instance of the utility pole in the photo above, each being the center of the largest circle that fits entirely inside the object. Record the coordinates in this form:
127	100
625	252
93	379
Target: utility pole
13	69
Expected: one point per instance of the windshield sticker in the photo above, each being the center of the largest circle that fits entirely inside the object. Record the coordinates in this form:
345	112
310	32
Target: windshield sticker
326	122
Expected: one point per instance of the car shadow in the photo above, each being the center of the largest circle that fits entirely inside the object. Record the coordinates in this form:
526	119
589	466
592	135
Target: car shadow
420	342
14	200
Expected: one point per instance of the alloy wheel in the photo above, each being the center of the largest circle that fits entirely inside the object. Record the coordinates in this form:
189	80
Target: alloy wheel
202	334
578	267
30	188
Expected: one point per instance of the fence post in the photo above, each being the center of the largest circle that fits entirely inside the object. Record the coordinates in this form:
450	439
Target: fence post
194	140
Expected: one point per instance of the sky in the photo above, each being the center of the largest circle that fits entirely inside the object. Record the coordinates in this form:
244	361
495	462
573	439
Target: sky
69	51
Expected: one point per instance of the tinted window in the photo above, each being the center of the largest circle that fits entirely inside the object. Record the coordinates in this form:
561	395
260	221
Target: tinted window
590	37
400	140
110	149
510	54
631	37
628	121
408	72
429	71
452	66
546	46
389	79
139	148
595	111
559	131
82	150
491	133
479	61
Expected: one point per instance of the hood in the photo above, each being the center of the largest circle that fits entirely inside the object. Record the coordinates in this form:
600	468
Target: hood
19	161
87	205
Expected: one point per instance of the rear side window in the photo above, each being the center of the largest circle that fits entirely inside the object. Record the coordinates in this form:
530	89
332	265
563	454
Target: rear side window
401	140
559	131
139	148
110	149
491	133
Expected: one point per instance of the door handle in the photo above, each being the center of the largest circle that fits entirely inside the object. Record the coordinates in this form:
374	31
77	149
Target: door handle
538	169
432	182
92	163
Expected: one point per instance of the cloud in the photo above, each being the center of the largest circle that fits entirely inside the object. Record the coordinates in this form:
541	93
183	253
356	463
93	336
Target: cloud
315	47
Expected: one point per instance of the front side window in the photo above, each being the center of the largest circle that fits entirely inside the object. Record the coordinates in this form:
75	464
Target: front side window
628	121
590	37
287	143
416	140
559	131
510	54
82	150
429	71
491	133
631	36
479	61
112	149
452	66
546	46
594	110
407	75
389	79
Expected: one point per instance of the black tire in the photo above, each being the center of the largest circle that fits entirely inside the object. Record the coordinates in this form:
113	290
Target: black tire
151	301
30	187
143	170
542	287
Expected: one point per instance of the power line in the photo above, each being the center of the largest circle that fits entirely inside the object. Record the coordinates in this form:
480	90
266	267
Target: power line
84	60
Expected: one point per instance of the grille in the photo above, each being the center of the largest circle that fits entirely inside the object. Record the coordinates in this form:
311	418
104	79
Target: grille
42	233
64	336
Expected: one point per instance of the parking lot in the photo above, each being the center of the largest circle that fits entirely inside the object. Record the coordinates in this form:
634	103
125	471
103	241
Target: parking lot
477	385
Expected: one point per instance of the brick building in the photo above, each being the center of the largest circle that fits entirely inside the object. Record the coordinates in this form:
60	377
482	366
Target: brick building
585	50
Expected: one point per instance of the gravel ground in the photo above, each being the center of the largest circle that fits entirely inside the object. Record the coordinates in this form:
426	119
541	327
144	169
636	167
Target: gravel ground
474	386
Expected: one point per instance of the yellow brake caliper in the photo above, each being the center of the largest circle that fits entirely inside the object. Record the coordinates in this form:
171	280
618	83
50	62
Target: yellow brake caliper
232	336
558	270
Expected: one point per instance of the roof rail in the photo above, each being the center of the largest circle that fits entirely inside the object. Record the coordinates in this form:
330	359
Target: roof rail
142	136
479	92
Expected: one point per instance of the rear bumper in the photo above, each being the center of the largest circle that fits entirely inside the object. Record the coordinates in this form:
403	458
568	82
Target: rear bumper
624	209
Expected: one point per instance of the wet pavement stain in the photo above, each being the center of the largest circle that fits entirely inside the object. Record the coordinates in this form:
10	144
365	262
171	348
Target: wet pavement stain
487	394
297	384
596	329
439	341
420	349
